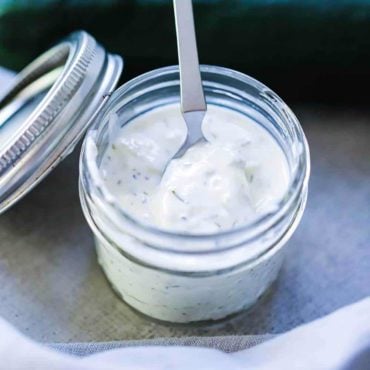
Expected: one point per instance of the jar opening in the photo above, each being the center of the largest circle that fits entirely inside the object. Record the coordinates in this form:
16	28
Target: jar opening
243	94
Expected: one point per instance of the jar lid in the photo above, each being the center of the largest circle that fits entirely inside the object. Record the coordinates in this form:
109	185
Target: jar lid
47	109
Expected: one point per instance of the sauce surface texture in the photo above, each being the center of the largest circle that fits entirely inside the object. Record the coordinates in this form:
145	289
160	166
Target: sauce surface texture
239	174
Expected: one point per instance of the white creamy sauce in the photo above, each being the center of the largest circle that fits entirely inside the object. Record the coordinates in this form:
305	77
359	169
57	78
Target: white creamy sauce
237	175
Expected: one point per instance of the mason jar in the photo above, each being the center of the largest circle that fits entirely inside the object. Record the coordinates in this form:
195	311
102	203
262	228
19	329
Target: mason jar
182	277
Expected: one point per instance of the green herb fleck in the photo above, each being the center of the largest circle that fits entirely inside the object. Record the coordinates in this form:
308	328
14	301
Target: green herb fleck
177	196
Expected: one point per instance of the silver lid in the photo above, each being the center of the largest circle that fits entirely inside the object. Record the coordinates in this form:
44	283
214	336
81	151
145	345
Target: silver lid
48	108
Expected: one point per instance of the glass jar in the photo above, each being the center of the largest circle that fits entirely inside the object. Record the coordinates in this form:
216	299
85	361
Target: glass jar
180	277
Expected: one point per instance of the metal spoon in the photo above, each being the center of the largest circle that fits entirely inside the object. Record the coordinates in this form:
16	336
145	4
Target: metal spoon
193	104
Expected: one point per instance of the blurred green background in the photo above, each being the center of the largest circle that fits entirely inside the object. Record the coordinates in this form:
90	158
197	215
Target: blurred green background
303	49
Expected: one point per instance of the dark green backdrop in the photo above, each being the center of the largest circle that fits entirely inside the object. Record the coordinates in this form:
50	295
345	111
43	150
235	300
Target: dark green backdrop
304	50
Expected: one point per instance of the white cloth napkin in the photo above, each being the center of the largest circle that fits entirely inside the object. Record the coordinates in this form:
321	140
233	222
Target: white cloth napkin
340	341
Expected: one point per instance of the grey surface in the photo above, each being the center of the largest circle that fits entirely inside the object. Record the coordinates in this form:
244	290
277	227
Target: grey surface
228	344
53	290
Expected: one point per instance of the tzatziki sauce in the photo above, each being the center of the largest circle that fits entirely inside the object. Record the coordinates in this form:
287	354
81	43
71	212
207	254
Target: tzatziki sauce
238	174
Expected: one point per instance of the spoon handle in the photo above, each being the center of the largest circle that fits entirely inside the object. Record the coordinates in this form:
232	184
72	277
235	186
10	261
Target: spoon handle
192	95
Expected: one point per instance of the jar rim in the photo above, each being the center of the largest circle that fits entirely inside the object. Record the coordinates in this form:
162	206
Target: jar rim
298	182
